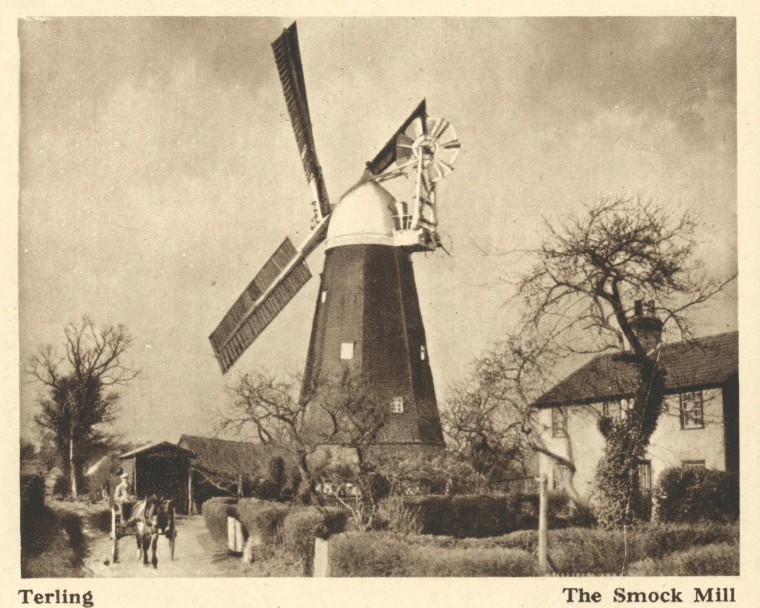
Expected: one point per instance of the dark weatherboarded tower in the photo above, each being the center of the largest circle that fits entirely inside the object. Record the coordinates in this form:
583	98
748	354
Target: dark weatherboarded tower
367	322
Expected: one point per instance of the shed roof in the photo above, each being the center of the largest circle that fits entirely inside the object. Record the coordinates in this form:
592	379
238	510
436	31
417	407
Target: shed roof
222	456
700	363
156	447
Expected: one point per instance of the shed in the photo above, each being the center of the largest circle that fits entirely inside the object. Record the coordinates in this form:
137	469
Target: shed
162	469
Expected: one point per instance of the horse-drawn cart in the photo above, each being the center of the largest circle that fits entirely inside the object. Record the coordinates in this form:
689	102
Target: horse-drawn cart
145	520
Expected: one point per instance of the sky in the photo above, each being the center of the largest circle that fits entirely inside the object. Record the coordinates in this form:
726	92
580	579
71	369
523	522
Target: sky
158	172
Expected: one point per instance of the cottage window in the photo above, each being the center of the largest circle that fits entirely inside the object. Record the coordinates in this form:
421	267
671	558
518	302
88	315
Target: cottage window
693	464
645	475
397	405
559	474
559	422
347	350
692	410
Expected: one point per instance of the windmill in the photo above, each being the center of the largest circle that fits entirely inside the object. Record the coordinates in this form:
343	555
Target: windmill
367	316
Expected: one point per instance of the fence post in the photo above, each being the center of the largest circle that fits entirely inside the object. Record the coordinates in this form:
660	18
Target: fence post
543	563
321	557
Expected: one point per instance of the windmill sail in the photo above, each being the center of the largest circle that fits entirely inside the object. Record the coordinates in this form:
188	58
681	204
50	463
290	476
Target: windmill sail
387	155
284	274
288	58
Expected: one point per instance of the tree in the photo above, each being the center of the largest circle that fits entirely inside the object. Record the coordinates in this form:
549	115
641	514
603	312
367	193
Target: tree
341	415
578	298
491	420
77	403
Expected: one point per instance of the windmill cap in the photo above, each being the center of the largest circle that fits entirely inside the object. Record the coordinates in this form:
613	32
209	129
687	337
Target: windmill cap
364	216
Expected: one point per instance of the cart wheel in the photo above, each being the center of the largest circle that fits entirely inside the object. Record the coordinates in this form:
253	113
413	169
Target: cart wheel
172	535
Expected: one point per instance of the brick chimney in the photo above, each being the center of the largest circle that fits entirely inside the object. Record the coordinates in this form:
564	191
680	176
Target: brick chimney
646	325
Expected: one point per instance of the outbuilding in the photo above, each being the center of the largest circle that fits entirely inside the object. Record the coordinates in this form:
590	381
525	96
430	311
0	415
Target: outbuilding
162	469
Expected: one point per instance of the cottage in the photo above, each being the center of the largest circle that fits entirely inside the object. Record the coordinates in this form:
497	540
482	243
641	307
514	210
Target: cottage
699	425
162	469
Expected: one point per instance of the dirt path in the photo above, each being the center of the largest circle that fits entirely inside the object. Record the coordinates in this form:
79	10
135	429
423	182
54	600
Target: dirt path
195	555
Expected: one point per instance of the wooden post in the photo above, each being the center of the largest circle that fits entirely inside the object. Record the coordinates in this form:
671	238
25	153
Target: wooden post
321	557
190	503
543	562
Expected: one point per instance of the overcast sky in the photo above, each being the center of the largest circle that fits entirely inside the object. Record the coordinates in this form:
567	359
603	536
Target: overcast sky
159	170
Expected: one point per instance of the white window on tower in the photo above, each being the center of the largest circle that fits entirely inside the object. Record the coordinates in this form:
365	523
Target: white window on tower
324	295
423	352
397	405
347	350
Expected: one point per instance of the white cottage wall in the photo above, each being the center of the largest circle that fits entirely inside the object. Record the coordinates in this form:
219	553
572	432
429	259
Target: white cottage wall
669	446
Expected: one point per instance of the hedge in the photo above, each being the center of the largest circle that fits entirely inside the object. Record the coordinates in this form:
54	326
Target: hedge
215	511
275	524
485	515
694	494
382	554
713	560
579	551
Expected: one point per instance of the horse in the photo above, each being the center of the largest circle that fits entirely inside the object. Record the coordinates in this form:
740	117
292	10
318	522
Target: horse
150	518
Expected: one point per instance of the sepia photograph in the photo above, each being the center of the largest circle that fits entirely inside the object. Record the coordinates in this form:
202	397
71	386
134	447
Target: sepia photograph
379	296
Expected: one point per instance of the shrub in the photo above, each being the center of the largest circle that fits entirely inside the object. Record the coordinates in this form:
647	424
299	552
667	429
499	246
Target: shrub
400	517
436	561
382	554
694	494
575	551
661	539
368	554
305	524
32	493
486	515
61	486
714	560
262	518
100	520
215	512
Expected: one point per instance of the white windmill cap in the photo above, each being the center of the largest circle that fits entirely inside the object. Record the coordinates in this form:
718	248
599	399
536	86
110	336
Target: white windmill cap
364	216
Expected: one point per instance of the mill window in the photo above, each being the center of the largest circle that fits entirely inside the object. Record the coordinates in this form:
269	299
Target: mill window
692	410
423	352
324	295
347	350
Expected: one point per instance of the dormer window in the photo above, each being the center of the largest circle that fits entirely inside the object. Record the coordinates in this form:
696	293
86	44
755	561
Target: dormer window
397	405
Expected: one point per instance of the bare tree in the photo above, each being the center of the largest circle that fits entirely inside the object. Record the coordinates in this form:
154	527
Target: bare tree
77	404
579	296
343	414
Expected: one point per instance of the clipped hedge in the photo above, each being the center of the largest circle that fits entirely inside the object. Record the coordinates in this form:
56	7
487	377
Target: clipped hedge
382	554
687	494
274	525
215	512
262	519
486	515
713	560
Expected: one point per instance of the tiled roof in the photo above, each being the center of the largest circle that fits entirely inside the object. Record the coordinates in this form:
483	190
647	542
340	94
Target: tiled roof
700	363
